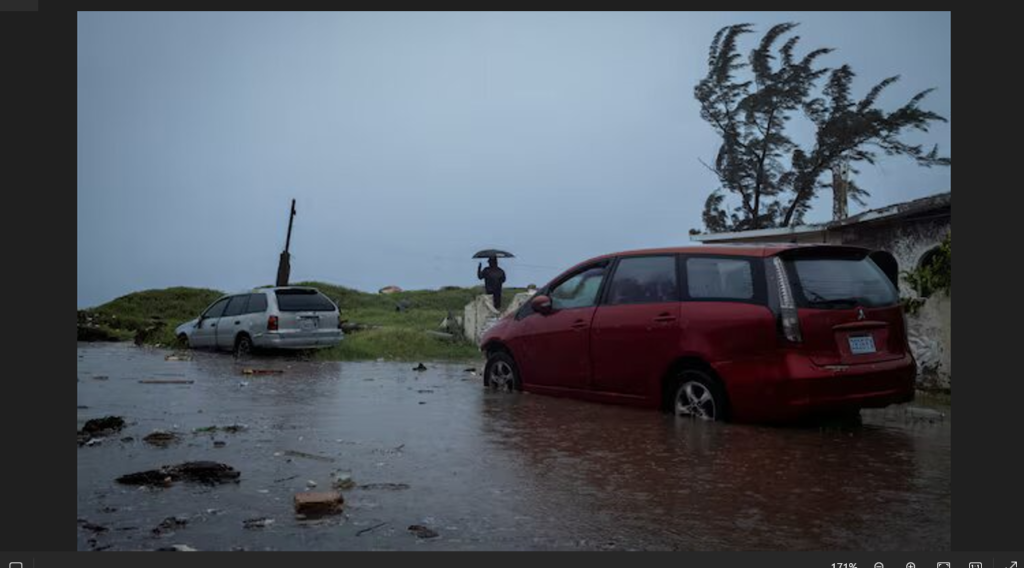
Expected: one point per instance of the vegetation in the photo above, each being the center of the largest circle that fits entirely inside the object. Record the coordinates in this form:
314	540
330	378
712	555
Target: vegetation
385	330
750	101
933	275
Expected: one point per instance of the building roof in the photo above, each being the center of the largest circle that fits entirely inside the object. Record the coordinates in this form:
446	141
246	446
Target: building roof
889	212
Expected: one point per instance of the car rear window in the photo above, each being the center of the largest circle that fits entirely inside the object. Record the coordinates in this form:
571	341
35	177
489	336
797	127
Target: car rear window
838	283
297	300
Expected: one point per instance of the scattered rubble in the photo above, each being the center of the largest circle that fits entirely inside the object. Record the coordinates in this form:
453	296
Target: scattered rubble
422	531
169	525
258	523
94	431
208	472
161	438
262	371
105	425
177	548
297	454
342	481
311	503
385	486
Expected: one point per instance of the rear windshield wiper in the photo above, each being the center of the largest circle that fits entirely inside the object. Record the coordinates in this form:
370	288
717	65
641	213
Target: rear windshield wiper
817	299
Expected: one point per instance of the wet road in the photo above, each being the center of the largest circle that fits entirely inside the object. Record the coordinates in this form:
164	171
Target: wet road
486	470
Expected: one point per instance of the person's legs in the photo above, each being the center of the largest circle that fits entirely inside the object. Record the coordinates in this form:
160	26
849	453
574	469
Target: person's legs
497	300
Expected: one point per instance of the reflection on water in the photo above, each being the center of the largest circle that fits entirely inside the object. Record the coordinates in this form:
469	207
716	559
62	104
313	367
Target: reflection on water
489	470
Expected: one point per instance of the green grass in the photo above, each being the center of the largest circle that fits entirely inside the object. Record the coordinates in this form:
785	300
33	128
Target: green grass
398	335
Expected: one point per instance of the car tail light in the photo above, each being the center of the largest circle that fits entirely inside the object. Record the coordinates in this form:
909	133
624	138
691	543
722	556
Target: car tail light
272	323
787	305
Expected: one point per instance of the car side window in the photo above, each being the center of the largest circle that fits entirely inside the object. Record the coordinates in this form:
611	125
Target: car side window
644	280
719	278
237	305
217	309
257	304
580	290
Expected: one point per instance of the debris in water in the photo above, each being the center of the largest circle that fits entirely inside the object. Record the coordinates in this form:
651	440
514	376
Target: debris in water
91	526
422	531
177	357
310	483
177	548
318	503
262	371
198	471
258	523
100	378
219	443
161	438
342	480
385	486
105	425
170	524
166	382
420	367
297	454
370	529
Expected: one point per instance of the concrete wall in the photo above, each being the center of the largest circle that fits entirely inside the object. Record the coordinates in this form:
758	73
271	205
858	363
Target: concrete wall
480	314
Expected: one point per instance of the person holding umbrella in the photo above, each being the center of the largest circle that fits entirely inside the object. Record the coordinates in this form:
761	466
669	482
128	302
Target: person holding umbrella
493	276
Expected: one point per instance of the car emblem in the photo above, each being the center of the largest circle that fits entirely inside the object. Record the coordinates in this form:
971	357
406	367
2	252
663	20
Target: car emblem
860	314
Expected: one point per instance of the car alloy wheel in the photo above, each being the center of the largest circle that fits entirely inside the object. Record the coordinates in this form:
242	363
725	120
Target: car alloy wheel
694	399
502	376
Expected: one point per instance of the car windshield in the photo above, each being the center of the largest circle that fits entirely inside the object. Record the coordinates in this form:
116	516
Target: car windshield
303	300
842	283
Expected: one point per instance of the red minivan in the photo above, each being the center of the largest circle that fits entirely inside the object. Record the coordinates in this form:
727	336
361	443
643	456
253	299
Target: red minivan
746	333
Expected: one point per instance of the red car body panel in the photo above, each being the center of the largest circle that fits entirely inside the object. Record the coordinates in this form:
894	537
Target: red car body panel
624	353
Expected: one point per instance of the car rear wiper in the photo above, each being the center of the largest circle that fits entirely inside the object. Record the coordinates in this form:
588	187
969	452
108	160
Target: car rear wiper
819	300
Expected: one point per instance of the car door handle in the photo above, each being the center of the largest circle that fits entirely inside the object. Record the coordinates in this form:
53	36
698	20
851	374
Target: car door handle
237	322
665	318
579	324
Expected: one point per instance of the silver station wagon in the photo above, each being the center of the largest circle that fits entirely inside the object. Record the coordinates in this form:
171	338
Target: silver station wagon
291	317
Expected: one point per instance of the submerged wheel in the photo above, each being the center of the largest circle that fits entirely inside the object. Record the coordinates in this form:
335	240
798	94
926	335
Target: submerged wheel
501	372
698	395
243	346
183	341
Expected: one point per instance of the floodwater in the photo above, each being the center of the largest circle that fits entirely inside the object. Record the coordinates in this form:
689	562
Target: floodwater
486	470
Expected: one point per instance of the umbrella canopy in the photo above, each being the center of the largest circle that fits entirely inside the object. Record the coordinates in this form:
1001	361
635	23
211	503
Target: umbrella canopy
488	253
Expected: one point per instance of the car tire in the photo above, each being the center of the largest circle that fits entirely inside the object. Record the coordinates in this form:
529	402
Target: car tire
243	345
501	372
183	341
697	394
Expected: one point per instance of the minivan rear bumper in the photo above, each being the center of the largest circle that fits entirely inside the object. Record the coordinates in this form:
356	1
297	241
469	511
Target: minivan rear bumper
298	339
799	387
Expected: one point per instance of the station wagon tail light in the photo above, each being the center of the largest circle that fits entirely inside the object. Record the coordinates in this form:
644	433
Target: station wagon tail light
787	305
272	323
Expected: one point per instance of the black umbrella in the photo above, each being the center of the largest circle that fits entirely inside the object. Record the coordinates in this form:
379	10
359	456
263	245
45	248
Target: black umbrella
488	253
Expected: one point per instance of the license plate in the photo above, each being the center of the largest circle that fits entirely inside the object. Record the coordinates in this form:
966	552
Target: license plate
309	323
862	344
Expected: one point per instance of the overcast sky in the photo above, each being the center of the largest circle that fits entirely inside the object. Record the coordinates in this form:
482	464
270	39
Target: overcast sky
412	140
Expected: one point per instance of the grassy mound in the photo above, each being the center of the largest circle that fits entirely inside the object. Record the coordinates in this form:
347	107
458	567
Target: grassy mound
152	315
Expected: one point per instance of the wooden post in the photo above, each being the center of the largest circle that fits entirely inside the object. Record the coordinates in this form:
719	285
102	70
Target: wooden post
284	267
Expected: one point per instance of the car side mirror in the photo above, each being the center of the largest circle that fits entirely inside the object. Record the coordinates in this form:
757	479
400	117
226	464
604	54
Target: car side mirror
541	304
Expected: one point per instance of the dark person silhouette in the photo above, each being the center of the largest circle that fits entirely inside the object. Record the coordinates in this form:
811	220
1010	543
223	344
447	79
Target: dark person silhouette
493	278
